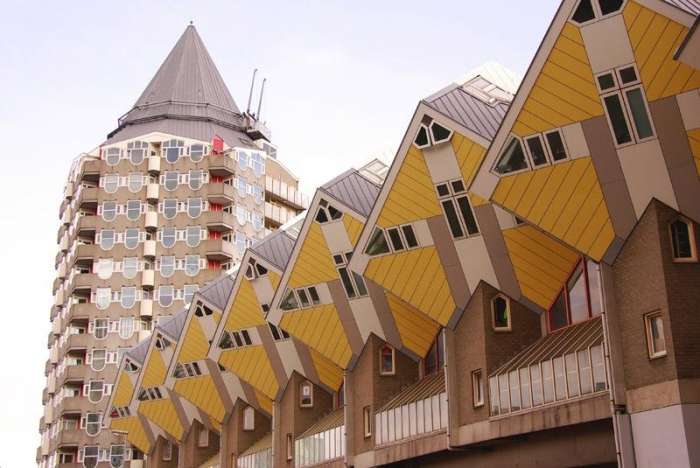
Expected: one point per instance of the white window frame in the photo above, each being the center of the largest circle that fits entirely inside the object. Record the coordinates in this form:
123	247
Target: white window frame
387	372
249	418
508	311
302	386
651	351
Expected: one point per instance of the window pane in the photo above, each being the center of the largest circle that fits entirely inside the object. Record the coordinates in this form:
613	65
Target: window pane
609	6
559	378
617	119
606	81
595	290
572	375
584	12
599	378
539	157
680	236
525	388
467	215
493	396
410	236
512	159
452	220
556	146
584	366
514	391
548	381
360	283
557	314
377	243
577	295
639	113
657	335
395	238
537	394
500	313
628	75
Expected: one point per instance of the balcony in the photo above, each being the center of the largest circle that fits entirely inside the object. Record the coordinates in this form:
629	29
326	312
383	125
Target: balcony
81	311
220	193
72	404
259	455
322	442
149	248
151	221
70	437
219	250
57	283
147	279
77	341
221	165
154	164
146	309
87	195
89	170
278	214
286	194
218	221
68	190
80	282
72	374
152	192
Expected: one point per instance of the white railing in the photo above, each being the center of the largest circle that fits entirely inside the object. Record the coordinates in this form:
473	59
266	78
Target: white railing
286	192
321	447
262	459
413	419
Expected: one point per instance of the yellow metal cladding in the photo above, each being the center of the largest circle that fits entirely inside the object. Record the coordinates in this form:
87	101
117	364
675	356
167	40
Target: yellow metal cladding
417	331
565	200
353	227
164	415
195	345
320	328
694	140
252	364
314	263
655	39
274	278
245	311
469	156
155	371
124	390
135	432
564	92
541	264
328	373
417	277
201	391
264	402
412	196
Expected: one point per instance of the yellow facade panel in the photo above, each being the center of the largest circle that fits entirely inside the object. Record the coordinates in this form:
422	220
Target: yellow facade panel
163	414
602	242
124	390
245	310
584	215
314	263
155	371
353	227
195	345
469	156
539	179
252	364
201	391
518	189
593	228
136	434
417	331
572	183
264	402
328	373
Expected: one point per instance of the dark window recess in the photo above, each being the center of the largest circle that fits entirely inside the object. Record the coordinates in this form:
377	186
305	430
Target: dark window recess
539	157
500	313
452	219
335	214
321	216
617	119
435	358
261	269
237	339
360	282
265	307
443	190
606	81
468	215
314	295
584	12
422	137
303	298
680	236
395	237
410	236
246	337
457	186
440	133
347	284
512	159
556	146
609	6
275	332
338	259
639	113
377	243
225	341
289	302
557	314
628	75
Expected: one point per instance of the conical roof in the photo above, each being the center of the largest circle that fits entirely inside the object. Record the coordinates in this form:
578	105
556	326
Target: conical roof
188	87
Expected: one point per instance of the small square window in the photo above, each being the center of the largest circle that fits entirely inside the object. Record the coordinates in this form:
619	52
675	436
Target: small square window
556	146
410	236
396	241
442	190
306	395
628	75
387	360
290	447
606	81
656	341
478	388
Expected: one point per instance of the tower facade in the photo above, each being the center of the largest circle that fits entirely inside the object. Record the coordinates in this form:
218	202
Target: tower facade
167	203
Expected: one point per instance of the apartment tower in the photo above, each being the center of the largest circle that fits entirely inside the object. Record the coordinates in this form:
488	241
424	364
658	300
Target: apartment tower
167	203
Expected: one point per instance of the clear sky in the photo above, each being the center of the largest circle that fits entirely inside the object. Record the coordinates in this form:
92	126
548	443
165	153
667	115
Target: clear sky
344	78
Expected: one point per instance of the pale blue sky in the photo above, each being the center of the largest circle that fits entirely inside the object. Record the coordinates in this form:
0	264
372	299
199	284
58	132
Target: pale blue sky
343	81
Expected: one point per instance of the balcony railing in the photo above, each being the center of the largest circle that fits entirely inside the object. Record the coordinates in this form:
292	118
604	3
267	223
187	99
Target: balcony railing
322	442
287	193
262	459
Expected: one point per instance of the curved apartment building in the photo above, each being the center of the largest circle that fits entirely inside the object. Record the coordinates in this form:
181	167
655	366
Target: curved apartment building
167	203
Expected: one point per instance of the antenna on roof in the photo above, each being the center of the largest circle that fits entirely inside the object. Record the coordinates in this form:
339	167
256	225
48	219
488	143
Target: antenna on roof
262	90
191	23
250	95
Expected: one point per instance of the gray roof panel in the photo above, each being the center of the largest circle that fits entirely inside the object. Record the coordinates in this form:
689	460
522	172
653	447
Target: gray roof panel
218	291
276	248
174	324
689	6
353	189
139	351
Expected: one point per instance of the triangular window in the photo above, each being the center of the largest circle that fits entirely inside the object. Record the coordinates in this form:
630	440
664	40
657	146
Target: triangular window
512	158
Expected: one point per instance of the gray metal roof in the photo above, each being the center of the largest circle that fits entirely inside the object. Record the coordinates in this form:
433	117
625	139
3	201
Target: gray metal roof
218	291
689	6
187	86
138	352
276	248
353	189
196	129
478	116
174	324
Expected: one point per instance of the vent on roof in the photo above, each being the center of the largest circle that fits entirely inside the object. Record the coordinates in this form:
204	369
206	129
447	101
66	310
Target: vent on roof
486	91
375	171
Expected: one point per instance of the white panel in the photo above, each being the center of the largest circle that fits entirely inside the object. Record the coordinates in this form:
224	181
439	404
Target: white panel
336	237
607	44
442	163
422	232
646	174
475	261
263	290
290	357
689	104
323	293
366	318
575	141
660	439
505	219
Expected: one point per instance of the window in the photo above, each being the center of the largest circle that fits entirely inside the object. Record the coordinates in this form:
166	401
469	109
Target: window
387	360
130	266
98	359
277	333
588	10
197	152
290	447
135	182
133	209
243	159
431	134
101	326
137	151
167	266
435	359
457	209
203	437
117	454
170	180
683	241
409	236
580	299
196	179
439	133
422	140
165	296
126	327
290	301
107	238
188	292
353	283
249	419
167	451
112	156
625	105
258	161
193	236
327	212
111	183
104	268
168	237
109	210
377	244
538	155
367	421
477	388
90	456
306	395
656	341
194	207
103	297
191	265
500	310
555	143
95	390
131	238
512	158
169	208
172	150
